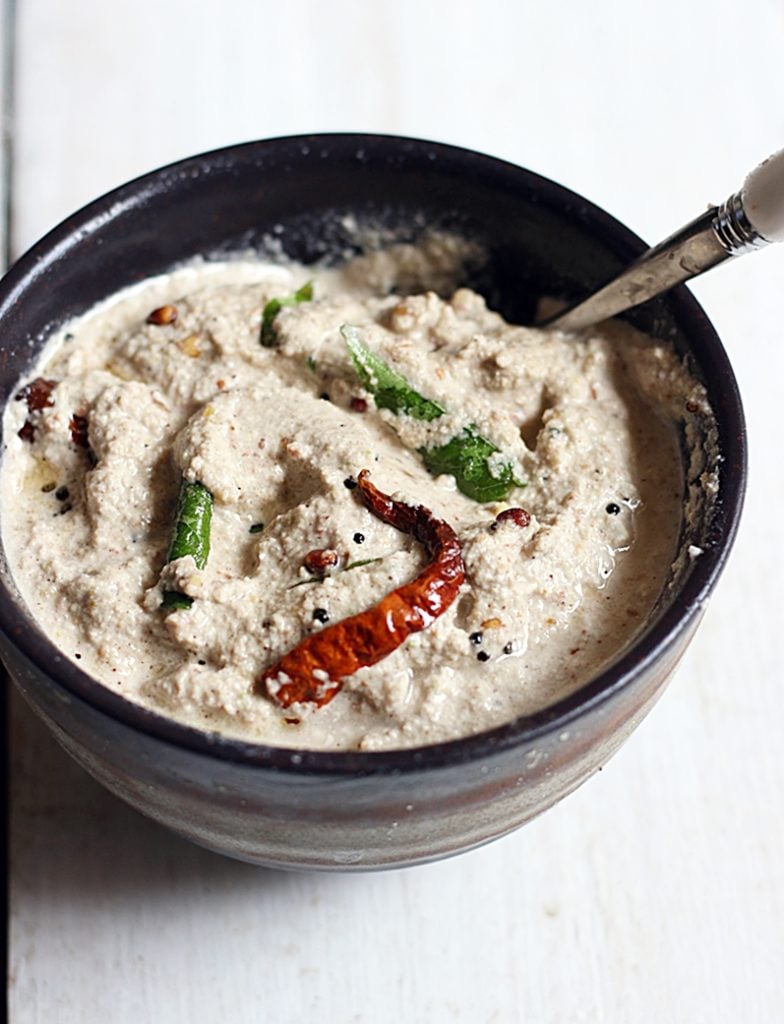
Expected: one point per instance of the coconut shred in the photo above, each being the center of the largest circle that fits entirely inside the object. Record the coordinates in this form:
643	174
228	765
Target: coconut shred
194	379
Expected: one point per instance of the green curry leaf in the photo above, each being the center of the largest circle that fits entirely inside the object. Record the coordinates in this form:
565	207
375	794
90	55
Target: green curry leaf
389	389
467	457
269	337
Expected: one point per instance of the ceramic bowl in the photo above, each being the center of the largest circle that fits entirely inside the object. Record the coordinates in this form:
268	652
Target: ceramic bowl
293	808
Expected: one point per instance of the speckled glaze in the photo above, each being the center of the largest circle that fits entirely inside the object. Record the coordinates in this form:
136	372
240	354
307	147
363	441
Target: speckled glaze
354	810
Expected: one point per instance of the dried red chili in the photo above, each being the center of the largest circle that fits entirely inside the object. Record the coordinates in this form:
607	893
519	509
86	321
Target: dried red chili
518	516
314	670
37	394
27	431
78	429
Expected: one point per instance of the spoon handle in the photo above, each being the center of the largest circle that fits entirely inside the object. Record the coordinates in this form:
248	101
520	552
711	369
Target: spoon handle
748	220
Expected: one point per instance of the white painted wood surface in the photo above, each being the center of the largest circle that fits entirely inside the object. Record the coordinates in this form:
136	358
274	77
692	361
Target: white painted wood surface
656	892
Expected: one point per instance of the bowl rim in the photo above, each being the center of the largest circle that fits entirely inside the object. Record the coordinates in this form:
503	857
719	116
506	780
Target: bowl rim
524	730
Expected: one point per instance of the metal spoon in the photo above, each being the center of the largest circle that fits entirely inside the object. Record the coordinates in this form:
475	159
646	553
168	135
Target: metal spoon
749	219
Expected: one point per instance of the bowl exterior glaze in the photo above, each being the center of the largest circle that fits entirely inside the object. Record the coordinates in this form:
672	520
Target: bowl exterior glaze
341	821
291	808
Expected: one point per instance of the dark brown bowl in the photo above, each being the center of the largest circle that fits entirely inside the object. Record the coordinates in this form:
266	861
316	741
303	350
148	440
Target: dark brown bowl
293	808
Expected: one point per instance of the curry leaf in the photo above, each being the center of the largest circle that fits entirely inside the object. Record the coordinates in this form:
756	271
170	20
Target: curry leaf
269	337
467	458
192	527
389	389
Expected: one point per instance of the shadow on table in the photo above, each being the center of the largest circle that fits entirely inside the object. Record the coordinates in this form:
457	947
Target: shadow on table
75	839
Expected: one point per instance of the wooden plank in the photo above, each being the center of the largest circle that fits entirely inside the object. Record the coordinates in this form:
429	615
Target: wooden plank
6	120
653	894
6	107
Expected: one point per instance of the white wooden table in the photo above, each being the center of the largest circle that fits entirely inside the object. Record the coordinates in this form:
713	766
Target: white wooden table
656	892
